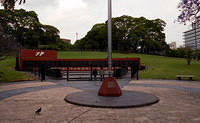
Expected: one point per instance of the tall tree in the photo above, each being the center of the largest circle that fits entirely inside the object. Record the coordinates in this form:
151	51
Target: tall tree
129	34
24	28
21	25
188	55
10	4
189	10
7	42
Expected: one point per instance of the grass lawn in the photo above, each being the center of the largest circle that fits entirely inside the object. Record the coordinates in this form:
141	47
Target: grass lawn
8	73
159	67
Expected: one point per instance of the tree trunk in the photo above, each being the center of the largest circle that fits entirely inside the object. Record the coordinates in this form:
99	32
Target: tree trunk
188	61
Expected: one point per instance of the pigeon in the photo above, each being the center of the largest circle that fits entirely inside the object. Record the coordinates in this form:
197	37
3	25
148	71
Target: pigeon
38	111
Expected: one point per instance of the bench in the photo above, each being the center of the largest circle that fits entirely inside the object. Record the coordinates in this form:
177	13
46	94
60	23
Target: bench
184	76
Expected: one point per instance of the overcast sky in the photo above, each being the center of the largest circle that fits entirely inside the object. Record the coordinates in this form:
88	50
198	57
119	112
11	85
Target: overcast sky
71	16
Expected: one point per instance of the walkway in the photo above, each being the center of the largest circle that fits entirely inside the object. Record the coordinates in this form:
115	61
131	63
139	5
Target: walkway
179	102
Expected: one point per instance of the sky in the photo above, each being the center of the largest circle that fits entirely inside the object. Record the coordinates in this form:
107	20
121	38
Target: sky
79	16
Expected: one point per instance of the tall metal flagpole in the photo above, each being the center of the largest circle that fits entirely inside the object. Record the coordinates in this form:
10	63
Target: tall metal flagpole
109	86
110	38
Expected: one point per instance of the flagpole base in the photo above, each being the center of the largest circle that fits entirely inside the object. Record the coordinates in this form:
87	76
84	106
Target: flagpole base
110	88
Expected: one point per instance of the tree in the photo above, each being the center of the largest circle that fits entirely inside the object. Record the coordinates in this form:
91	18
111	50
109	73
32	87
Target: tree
197	55
189	10
188	54
50	34
24	28
21	24
7	43
181	52
129	34
96	38
10	4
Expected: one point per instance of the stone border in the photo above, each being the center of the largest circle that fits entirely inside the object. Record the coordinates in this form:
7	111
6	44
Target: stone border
127	100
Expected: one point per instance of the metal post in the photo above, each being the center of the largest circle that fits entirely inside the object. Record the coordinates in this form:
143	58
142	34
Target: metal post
67	72
196	40
91	73
110	38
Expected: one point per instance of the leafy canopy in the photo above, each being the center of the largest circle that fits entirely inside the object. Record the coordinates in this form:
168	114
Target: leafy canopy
129	34
25	27
189	10
10	4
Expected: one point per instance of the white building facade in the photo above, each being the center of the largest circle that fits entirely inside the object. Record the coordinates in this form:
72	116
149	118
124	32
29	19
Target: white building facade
172	45
192	36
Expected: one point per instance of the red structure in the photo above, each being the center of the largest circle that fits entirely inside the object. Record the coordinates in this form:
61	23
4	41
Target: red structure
31	60
110	88
51	56
37	55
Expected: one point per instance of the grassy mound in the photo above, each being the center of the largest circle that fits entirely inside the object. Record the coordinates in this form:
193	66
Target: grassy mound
159	67
7	72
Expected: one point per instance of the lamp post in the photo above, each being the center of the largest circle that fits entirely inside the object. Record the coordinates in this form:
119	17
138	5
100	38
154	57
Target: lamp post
110	38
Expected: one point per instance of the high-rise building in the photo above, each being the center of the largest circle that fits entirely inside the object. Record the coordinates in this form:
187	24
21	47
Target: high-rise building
192	36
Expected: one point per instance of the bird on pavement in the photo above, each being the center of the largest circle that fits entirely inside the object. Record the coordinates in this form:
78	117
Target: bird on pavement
38	110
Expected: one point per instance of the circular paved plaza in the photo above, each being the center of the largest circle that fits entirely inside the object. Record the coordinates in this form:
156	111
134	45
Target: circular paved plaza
179	102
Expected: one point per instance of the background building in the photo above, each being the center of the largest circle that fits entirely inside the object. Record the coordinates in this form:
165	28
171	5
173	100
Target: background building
172	45
67	40
192	36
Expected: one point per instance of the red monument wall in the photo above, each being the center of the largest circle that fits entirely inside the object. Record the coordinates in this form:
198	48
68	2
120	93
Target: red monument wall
37	55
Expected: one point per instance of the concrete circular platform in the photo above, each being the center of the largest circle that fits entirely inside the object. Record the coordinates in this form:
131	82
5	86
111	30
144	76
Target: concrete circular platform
128	99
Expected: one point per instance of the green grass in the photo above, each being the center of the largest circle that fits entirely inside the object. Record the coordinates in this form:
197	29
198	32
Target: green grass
167	68
159	67
8	73
81	55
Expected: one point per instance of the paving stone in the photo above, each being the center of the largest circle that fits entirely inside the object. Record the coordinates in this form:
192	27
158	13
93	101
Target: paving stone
179	102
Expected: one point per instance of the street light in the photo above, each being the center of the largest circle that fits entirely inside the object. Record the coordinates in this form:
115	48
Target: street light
110	38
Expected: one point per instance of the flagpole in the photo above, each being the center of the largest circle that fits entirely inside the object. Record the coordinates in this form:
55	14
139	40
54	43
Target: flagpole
110	38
